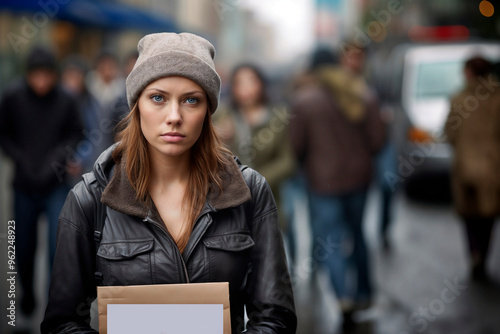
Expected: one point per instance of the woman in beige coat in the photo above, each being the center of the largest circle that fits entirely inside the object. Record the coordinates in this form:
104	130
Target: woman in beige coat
473	129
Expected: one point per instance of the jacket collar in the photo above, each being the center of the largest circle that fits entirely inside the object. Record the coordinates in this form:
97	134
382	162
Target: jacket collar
121	196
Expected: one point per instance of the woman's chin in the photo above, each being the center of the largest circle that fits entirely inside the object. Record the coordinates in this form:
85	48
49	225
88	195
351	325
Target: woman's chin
174	152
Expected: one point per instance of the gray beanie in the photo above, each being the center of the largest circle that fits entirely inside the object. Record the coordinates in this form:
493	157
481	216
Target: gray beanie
169	54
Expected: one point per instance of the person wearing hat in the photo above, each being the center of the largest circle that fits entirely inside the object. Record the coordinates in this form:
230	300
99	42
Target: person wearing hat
39	127
178	207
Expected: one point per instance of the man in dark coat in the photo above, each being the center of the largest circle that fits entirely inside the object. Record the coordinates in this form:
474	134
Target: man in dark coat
39	129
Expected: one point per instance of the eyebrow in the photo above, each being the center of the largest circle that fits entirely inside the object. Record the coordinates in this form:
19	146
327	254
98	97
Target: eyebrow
155	89
194	92
165	92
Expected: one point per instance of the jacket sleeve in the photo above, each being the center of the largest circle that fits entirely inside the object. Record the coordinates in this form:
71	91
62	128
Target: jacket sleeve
70	137
7	126
270	305
72	286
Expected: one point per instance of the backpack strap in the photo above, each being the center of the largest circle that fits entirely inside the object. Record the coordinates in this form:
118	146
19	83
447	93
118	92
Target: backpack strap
242	169
240	165
99	215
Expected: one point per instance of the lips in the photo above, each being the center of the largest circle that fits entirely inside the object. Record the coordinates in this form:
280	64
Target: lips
173	137
175	134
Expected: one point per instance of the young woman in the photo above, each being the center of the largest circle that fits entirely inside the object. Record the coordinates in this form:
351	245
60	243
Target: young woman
256	131
178	208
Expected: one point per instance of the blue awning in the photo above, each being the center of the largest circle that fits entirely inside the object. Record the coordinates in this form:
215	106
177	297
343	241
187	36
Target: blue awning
95	13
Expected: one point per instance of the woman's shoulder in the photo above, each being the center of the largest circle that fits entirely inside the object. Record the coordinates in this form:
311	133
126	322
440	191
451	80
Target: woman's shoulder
255	181
260	191
86	192
77	214
234	172
84	197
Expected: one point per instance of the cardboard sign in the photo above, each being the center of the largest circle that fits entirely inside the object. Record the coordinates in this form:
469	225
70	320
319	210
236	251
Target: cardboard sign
164	308
165	318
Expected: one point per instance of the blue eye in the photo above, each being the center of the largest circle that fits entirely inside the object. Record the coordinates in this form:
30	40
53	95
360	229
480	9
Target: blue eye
157	98
191	100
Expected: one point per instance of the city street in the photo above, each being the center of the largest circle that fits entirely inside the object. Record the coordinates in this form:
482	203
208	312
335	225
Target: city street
422	283
428	256
335	94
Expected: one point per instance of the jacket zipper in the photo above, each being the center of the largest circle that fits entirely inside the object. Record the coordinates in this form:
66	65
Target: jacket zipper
196	224
184	267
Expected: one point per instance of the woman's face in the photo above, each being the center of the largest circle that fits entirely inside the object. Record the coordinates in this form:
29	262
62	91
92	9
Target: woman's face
247	88
172	111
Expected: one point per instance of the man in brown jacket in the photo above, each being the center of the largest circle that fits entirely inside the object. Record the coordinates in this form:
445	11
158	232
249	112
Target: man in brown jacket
473	129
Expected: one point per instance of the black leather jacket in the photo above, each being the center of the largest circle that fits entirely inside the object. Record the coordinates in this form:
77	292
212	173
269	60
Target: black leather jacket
236	239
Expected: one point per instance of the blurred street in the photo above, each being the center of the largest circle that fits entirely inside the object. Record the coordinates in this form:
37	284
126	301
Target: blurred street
428	254
352	100
427	257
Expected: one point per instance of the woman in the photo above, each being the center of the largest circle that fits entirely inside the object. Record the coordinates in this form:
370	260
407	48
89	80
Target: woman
257	133
254	130
178	207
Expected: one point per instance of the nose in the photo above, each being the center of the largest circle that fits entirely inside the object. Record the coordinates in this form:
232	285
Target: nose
174	116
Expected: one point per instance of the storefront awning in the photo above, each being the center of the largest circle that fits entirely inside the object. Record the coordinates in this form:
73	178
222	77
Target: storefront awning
96	13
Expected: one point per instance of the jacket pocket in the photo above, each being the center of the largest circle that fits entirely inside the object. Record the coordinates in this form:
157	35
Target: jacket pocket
229	258
229	242
126	262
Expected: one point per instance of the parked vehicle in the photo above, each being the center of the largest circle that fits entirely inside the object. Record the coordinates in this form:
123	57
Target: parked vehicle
415	82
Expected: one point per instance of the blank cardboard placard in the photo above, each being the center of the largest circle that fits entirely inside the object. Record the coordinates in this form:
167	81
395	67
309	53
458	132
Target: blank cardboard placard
182	295
165	318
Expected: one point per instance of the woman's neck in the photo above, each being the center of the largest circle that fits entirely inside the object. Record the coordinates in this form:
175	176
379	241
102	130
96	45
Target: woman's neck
253	114
253	108
167	171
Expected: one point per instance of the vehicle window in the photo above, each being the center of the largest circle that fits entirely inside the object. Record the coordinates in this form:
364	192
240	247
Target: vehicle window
438	80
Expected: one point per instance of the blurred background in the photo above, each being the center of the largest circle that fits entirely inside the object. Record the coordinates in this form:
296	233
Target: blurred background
415	53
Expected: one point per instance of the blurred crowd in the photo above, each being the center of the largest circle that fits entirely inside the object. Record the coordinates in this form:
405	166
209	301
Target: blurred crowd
326	140
54	123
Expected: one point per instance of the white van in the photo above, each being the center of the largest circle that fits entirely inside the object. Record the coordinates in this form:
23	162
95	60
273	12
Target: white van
416	82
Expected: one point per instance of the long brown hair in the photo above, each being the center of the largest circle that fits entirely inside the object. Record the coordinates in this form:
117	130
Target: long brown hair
208	156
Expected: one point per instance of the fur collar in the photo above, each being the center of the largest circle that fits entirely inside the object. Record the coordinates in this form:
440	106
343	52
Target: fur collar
120	195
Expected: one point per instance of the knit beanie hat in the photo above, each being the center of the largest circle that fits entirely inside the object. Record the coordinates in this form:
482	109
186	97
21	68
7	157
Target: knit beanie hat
169	54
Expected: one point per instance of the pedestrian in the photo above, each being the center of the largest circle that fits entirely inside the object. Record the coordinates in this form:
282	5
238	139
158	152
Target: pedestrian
335	132
474	134
105	82
73	75
256	131
173	191
39	129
